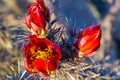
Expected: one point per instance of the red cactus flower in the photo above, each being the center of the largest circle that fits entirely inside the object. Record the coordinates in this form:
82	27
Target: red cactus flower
41	55
37	16
88	41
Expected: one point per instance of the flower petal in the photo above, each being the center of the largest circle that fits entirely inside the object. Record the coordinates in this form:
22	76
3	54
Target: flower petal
52	63
90	29
28	67
40	65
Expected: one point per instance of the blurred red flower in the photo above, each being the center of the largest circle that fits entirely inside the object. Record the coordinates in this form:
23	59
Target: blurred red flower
37	16
41	55
88	41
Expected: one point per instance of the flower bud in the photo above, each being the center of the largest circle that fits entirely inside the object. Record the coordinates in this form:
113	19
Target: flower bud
88	41
37	16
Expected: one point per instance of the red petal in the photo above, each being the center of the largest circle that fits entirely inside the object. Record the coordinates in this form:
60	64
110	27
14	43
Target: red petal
81	41
57	51
28	68
37	29
42	43
40	65
28	20
44	75
90	29
93	40
92	49
52	63
41	4
25	49
38	17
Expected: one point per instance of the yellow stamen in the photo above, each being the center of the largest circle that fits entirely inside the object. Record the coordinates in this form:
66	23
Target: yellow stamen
45	54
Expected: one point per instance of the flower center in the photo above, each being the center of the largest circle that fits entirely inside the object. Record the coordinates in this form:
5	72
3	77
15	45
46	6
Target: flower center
43	54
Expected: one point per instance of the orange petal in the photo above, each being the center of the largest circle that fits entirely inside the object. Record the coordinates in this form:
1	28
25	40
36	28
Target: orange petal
81	41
